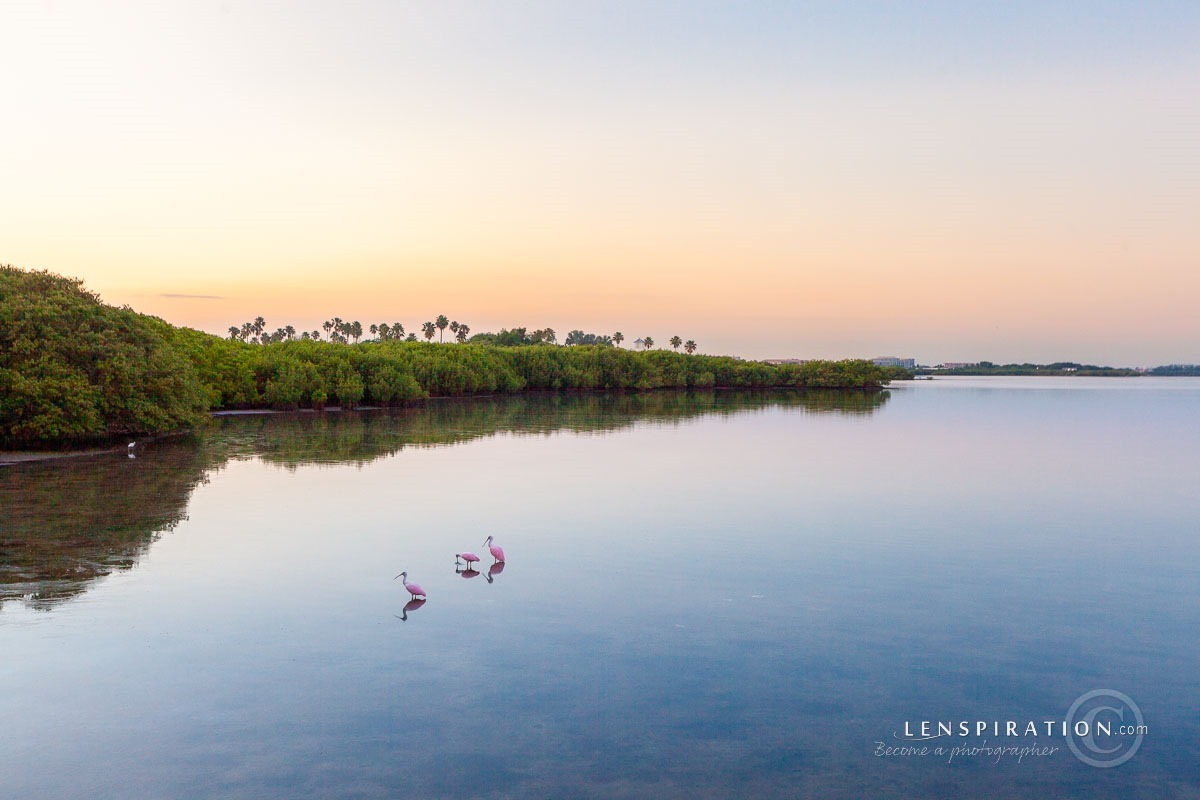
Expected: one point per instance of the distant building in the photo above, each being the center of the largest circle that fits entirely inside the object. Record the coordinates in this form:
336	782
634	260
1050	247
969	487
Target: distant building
957	365
893	361
786	360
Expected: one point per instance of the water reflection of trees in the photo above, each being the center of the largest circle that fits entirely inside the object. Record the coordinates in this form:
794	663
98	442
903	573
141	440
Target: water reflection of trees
71	520
294	440
68	522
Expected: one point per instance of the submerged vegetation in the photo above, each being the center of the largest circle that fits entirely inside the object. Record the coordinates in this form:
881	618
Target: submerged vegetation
73	369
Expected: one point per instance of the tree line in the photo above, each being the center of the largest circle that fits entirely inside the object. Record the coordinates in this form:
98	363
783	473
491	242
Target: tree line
1058	368
340	331
73	369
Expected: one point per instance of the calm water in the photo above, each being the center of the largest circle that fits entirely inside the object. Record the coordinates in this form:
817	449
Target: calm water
713	596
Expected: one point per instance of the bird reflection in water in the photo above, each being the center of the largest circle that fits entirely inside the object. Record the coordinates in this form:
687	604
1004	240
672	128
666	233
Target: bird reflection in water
411	605
494	570
468	572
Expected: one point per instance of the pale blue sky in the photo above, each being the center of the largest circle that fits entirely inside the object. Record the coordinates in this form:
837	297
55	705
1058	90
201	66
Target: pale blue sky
950	181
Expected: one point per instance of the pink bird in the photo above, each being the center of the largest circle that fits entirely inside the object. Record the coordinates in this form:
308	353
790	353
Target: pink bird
497	550
470	558
413	588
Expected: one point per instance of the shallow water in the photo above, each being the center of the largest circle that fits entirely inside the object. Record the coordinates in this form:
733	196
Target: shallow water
717	595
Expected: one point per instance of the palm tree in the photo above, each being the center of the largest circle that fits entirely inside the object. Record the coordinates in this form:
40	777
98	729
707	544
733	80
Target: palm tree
676	341
356	330
461	333
618	337
648	343
234	332
428	329
290	331
442	323
689	346
260	325
454	326
335	328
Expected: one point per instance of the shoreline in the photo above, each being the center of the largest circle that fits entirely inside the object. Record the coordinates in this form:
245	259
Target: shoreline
10	458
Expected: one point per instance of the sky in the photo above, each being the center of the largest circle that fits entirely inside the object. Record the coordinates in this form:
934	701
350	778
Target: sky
947	181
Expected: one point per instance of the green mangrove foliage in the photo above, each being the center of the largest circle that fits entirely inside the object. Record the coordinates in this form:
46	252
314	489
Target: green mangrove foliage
309	374
73	369
518	337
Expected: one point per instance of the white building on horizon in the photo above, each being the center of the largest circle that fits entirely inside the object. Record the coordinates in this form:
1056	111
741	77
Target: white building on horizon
893	361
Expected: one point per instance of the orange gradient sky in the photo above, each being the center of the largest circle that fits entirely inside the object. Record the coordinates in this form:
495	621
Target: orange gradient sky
944	181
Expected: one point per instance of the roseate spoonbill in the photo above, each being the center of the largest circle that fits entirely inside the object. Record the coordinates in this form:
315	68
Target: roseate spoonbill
413	588
470	558
497	550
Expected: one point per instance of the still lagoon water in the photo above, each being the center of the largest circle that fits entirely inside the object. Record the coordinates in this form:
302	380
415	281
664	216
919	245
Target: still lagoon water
705	596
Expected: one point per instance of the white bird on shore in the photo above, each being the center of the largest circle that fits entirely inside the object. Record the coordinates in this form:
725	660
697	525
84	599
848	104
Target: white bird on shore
129	449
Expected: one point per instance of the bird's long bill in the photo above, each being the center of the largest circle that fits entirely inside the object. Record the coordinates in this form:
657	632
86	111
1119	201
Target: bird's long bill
401	575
